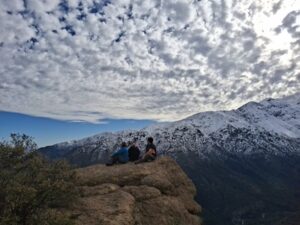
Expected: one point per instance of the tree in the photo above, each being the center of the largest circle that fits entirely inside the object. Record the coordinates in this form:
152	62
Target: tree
33	191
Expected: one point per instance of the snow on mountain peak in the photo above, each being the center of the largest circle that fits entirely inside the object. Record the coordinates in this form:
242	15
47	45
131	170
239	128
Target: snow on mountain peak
281	116
272	125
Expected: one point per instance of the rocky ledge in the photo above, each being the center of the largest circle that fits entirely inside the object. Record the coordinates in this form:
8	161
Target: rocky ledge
155	193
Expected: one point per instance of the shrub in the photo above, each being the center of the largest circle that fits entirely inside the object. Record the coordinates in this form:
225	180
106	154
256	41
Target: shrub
33	191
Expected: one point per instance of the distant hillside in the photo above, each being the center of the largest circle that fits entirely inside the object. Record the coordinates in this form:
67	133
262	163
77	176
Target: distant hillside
269	127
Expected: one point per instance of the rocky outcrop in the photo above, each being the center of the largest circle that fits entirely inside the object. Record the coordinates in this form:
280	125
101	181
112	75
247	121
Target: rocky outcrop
155	193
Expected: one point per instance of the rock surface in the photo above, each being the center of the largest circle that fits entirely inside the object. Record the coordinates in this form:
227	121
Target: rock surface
157	193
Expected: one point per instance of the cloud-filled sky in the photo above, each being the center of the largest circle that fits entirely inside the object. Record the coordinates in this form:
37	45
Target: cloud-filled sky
87	60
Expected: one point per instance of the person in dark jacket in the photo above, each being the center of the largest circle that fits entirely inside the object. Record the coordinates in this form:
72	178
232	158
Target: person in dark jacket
150	152
133	152
120	156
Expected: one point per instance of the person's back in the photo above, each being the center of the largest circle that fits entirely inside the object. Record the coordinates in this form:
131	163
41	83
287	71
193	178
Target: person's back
151	147
150	152
122	154
133	153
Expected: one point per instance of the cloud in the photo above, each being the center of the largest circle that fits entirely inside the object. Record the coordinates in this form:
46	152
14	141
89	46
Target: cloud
163	60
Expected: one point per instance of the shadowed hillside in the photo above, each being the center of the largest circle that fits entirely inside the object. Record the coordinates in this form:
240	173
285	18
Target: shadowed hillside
250	190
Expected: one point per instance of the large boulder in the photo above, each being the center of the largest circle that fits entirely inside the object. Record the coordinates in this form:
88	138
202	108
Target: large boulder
155	193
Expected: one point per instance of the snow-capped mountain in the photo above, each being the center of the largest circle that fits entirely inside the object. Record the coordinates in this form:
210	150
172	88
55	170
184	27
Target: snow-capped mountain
245	162
270	126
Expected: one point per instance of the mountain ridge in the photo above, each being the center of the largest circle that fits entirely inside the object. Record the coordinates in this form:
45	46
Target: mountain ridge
273	119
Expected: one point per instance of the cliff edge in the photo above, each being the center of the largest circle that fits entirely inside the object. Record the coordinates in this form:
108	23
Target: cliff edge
152	193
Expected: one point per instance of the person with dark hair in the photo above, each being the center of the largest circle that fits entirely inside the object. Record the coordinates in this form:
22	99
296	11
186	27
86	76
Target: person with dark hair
133	152
120	156
150	152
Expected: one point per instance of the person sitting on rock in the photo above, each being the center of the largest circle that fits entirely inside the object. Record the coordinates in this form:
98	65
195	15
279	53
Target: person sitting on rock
150	152
120	156
133	151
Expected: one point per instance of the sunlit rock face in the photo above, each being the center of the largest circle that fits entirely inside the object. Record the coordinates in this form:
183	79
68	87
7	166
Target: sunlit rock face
152	193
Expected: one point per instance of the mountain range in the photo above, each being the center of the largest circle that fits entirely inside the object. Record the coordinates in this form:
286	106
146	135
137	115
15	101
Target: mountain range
245	162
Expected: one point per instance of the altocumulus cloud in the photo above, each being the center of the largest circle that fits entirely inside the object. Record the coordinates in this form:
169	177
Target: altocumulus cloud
86	60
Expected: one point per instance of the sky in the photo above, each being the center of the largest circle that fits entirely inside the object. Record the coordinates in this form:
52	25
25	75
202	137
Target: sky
89	61
45	131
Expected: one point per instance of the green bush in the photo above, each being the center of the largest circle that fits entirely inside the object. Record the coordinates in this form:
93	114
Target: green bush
33	191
